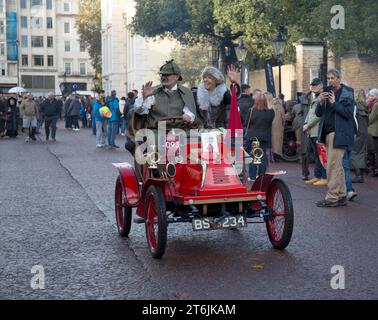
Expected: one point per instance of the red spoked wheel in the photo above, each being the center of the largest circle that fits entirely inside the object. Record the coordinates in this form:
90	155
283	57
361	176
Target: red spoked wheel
156	221
280	224
123	212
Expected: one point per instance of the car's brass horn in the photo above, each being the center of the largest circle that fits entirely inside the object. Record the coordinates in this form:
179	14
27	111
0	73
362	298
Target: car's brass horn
153	158
257	152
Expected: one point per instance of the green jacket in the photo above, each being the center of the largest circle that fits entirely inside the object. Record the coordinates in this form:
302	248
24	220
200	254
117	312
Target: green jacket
172	105
373	121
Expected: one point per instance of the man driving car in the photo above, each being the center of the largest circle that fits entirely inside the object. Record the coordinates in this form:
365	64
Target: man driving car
169	99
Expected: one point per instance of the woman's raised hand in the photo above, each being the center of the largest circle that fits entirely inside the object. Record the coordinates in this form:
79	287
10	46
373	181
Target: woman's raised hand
232	73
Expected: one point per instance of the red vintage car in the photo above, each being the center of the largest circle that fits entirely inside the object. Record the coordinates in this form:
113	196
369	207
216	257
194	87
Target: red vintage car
201	187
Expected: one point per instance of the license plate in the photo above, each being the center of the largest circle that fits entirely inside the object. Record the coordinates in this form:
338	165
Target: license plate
213	223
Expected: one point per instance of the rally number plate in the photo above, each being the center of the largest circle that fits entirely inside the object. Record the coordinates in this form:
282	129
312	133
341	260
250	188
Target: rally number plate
212	223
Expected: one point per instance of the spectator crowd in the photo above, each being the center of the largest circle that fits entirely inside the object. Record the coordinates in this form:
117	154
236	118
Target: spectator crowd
332	126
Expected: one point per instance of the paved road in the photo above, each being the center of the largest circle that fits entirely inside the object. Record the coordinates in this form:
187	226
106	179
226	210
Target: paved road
56	210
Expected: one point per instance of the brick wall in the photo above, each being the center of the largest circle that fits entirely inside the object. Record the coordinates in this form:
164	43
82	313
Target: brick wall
359	73
288	75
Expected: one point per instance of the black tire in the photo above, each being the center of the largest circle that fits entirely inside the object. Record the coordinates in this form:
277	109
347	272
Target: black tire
279	197
289	148
156	217
123	212
290	158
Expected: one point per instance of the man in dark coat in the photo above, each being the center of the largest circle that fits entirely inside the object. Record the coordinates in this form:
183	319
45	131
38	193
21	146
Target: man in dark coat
67	104
336	130
74	113
245	103
51	110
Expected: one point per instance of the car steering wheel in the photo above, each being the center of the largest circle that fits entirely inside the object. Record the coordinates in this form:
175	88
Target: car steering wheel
174	119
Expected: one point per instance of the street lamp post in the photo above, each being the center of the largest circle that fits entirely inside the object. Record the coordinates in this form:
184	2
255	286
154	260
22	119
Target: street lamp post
213	54
279	44
241	54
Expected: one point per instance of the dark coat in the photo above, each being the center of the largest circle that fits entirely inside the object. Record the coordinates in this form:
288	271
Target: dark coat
345	127
67	104
245	103
74	108
300	112
3	116
51	109
358	155
13	115
261	125
128	105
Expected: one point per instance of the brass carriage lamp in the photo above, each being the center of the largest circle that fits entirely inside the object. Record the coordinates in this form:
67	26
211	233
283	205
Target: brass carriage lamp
257	152
153	157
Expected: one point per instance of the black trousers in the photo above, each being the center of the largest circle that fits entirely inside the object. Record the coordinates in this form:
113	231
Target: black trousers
50	122
376	151
305	159
2	126
75	122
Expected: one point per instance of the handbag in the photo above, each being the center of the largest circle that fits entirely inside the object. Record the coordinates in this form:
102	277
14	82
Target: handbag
322	153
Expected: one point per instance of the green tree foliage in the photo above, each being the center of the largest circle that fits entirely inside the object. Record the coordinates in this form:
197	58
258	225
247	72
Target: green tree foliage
88	23
161	17
360	31
192	60
258	21
185	20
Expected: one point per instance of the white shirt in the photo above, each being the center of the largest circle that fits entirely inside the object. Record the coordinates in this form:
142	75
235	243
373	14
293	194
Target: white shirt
143	106
121	106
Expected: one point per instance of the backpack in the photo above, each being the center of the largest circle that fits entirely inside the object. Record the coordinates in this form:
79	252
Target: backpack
105	112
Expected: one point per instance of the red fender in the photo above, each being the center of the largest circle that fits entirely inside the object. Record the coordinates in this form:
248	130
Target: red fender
160	183
263	181
130	184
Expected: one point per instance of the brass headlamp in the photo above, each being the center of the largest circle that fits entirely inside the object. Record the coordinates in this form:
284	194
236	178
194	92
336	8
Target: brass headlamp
257	152
152	158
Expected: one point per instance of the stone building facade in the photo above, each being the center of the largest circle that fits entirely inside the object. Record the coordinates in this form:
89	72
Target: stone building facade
47	46
129	60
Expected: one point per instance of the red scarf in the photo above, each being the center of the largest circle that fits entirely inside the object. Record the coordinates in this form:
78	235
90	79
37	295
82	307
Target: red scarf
371	104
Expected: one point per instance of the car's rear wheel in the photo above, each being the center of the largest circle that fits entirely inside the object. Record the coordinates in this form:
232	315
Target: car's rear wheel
156	221
280	224
123	212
